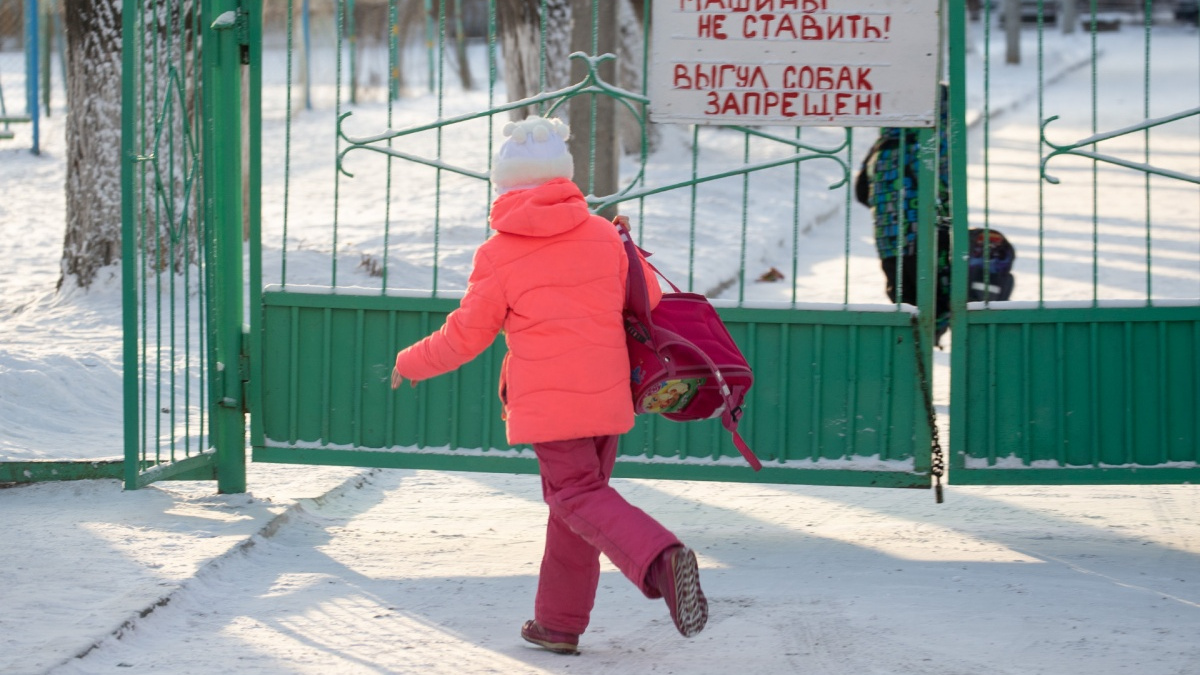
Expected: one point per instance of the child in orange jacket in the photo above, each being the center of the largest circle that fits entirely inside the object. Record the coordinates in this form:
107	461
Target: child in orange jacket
553	279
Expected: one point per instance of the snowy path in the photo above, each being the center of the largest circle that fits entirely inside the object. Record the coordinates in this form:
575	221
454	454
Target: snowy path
420	572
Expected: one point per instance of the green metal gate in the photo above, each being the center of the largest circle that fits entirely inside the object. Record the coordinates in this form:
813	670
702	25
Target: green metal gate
339	281
181	238
1091	374
363	208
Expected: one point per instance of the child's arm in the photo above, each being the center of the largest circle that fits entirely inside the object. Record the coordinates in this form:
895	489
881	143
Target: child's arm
468	330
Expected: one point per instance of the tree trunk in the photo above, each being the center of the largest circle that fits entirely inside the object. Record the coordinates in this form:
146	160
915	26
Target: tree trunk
1012	32
169	191
460	46
593	143
630	55
520	39
1070	15
93	184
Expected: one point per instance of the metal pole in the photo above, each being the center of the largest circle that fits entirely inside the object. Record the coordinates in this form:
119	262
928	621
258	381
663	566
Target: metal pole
223	222
129	298
44	56
960	347
31	70
306	28
352	40
253	137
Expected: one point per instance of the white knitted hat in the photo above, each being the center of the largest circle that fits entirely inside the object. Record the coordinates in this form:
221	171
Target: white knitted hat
535	152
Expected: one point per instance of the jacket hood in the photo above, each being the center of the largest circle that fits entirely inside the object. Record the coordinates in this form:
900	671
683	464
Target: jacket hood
549	209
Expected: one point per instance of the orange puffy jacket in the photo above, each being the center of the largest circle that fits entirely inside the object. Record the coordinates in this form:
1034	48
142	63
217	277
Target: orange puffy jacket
553	278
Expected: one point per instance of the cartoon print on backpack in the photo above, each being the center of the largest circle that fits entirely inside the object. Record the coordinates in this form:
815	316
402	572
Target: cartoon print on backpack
672	395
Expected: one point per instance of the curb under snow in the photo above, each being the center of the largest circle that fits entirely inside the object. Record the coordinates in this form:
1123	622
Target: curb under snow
267	531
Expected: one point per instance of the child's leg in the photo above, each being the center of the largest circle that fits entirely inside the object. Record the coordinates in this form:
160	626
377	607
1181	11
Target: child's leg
567	582
586	515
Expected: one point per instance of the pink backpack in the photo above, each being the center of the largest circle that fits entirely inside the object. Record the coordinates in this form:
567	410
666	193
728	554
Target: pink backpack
684	364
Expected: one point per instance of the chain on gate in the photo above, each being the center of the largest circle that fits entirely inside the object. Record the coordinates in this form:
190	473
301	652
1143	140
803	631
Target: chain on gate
937	463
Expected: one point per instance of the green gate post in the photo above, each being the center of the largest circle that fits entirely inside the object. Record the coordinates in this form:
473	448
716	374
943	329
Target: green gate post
959	215
253	341
129	298
222	156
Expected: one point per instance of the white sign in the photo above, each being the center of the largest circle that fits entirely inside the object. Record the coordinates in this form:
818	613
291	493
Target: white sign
795	62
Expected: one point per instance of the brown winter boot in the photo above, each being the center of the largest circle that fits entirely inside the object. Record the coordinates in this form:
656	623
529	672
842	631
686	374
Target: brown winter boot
677	576
552	640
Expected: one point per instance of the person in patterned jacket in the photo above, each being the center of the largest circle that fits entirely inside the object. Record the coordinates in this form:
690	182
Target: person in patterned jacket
893	203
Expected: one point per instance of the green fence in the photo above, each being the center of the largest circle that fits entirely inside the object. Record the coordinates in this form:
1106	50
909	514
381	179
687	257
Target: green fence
1091	374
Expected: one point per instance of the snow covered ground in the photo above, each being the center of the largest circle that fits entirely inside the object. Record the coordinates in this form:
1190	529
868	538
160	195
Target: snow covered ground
419	572
334	570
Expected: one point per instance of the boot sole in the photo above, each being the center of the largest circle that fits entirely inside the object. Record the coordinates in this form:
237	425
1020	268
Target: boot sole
556	647
691	607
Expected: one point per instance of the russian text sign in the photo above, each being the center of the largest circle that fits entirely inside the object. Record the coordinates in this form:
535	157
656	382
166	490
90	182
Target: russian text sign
795	62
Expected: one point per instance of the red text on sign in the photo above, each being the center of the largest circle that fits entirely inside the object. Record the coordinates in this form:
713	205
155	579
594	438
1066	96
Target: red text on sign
753	5
824	105
718	76
809	27
752	103
845	27
827	77
711	26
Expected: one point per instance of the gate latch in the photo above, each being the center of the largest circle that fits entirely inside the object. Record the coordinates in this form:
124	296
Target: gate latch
237	21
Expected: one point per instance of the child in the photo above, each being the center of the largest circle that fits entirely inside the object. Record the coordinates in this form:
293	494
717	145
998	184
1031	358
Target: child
553	279
894	209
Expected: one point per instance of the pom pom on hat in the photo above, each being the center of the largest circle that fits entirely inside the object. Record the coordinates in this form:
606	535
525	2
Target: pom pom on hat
535	152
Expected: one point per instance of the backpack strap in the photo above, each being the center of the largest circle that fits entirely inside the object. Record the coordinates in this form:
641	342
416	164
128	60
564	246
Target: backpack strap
746	451
637	297
656	270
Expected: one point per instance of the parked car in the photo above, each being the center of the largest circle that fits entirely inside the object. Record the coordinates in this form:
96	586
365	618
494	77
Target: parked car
1029	11
1187	11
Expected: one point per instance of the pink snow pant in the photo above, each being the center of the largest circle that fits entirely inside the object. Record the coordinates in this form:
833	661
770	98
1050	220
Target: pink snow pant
587	518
